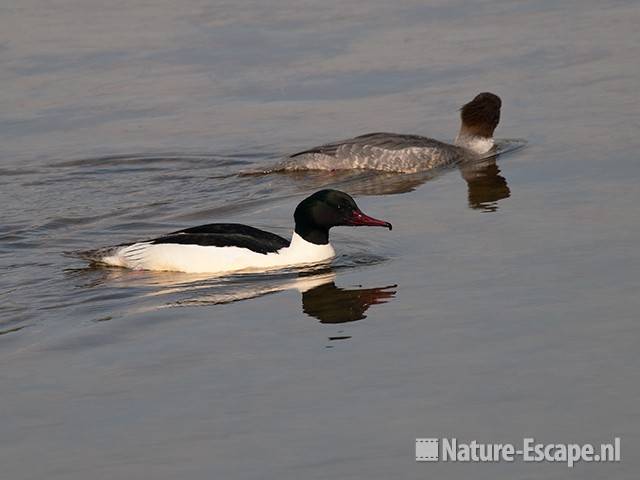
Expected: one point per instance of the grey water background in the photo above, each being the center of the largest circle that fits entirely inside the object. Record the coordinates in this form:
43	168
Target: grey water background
502	305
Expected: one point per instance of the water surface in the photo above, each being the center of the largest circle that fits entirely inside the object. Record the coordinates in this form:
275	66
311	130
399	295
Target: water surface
502	305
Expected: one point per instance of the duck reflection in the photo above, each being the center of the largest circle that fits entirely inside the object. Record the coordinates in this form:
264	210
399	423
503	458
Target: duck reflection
331	304
485	185
321	298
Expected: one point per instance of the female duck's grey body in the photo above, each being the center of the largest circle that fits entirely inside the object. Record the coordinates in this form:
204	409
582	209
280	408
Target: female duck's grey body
392	152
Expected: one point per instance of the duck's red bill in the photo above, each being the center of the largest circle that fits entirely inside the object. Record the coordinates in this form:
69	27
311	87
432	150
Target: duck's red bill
360	219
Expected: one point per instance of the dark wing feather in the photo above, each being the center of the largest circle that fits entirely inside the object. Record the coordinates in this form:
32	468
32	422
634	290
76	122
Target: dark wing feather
389	141
227	235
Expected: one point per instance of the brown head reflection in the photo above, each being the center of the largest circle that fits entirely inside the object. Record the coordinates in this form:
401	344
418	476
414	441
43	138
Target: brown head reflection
485	185
331	304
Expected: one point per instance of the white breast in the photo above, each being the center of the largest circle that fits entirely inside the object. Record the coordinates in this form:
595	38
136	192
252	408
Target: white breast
207	259
479	145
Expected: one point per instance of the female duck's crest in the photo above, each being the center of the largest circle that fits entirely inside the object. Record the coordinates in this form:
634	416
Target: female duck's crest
479	119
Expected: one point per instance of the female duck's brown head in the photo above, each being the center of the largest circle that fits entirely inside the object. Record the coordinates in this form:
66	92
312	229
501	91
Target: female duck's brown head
479	118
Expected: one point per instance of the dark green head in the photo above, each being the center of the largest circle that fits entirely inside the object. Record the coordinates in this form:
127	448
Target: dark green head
316	214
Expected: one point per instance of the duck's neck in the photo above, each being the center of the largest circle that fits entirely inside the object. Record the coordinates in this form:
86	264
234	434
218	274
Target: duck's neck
475	143
313	233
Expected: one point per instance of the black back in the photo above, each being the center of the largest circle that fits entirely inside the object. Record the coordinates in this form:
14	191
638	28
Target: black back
226	235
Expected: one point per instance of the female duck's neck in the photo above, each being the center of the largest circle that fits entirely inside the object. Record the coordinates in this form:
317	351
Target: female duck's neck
316	235
475	143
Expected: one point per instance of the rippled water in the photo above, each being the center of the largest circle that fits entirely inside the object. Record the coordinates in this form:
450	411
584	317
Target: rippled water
502	305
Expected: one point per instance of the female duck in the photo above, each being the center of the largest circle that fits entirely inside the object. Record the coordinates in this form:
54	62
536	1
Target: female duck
393	152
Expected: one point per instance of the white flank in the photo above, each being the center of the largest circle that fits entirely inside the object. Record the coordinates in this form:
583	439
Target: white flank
206	259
